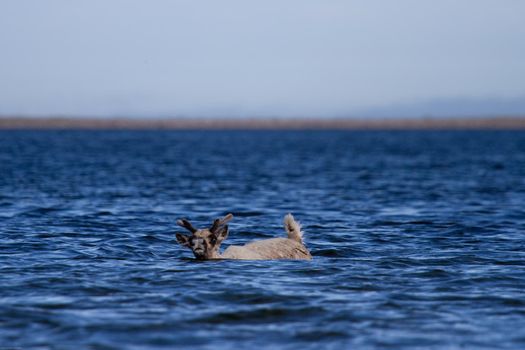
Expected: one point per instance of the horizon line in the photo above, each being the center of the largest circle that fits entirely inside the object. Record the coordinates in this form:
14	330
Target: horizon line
516	122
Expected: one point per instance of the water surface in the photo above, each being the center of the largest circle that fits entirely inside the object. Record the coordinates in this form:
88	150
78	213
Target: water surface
417	240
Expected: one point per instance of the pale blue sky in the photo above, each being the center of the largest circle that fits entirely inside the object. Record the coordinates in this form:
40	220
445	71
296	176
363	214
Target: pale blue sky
255	58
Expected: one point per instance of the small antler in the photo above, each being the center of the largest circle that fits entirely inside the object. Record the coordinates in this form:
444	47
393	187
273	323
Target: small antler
220	222
186	224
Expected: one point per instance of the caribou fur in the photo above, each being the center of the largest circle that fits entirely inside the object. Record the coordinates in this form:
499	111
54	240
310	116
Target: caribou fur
205	243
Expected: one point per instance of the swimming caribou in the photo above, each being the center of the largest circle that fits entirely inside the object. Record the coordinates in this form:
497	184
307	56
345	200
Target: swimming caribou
205	243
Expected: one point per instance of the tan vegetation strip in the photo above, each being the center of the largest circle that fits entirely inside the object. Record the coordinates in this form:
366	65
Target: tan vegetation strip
260	123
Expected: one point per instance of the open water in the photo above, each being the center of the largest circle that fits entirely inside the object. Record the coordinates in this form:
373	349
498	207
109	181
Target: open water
417	238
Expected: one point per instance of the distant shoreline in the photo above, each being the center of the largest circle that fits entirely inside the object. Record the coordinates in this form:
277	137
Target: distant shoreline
462	123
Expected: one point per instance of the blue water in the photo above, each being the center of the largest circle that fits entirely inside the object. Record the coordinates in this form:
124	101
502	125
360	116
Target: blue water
417	238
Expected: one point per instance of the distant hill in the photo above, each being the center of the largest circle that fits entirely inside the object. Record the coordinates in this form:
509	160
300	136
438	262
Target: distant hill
450	107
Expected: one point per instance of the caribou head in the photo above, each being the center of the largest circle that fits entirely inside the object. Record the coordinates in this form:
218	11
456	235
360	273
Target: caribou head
204	243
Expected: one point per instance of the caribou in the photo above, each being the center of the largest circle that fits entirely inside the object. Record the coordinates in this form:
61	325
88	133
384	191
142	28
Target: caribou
205	243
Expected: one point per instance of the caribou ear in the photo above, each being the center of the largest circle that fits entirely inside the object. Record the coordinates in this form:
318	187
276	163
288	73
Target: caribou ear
183	239
222	233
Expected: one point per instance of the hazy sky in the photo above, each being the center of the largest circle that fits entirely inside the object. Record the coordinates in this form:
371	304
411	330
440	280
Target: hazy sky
286	57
